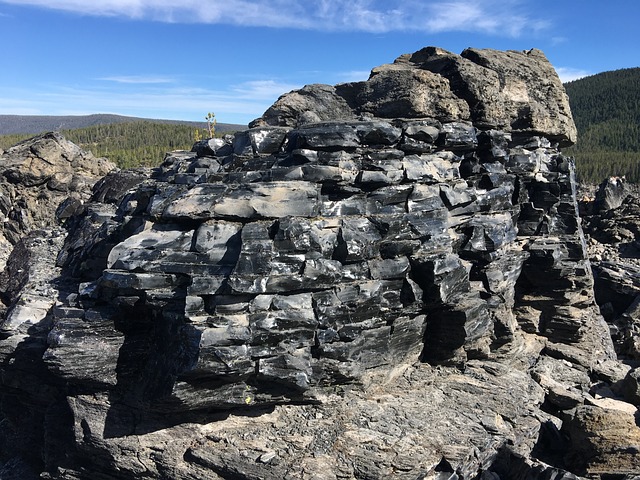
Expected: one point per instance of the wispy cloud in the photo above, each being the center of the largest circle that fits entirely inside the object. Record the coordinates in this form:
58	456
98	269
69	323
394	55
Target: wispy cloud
137	79
239	103
506	17
456	15
263	89
354	75
496	17
568	74
19	105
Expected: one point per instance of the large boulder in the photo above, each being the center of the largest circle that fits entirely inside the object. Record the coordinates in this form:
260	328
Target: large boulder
36	176
605	441
612	224
611	193
515	91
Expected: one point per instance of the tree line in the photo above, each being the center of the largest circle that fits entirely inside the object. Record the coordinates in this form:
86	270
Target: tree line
606	109
133	144
128	145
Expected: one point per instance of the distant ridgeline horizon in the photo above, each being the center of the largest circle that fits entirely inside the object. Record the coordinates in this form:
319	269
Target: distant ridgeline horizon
127	141
604	107
36	124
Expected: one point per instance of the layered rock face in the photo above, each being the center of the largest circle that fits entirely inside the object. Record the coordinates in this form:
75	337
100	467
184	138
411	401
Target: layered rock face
612	222
385	279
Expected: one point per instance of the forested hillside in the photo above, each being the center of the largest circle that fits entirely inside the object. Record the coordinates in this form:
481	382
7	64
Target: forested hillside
130	144
34	124
606	109
133	144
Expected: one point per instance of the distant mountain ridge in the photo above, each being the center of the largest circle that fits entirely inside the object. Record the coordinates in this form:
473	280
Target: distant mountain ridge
34	124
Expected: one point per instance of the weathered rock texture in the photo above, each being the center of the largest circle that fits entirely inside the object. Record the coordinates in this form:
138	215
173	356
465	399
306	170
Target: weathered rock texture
37	175
385	279
613	228
511	91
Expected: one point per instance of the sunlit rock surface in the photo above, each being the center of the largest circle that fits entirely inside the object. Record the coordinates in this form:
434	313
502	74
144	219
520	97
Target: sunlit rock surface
386	279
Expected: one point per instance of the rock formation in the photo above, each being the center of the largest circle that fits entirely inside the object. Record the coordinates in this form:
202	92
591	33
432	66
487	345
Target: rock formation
37	175
612	224
383	279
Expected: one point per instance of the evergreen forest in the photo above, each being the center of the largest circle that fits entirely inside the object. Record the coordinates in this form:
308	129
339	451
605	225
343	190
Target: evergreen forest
606	109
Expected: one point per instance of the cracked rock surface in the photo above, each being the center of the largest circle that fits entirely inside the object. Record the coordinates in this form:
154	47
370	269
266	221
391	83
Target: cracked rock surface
386	279
37	176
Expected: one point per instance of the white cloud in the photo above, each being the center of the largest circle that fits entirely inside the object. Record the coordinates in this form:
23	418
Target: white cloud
505	18
558	40
568	74
237	104
263	89
19	106
137	79
448	16
497	17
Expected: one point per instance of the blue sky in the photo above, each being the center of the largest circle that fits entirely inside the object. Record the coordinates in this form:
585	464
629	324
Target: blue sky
180	60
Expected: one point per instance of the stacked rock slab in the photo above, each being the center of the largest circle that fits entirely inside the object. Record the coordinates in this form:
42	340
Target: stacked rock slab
426	214
298	257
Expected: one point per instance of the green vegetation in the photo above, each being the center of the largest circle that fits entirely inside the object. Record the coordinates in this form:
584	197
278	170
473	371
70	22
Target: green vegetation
606	109
210	131
7	141
133	144
129	144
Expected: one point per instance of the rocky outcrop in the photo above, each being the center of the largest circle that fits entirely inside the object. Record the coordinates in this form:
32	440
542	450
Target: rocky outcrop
386	279
44	181
511	91
37	175
612	225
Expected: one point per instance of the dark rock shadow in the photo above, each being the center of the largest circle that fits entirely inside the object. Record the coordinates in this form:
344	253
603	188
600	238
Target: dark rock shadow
552	446
158	353
510	465
36	424
629	249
